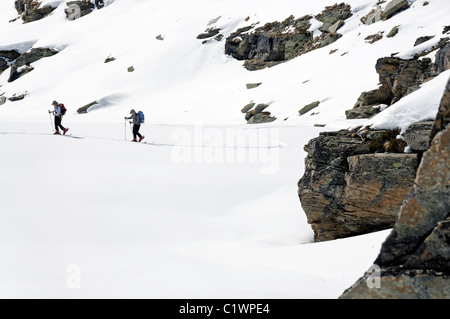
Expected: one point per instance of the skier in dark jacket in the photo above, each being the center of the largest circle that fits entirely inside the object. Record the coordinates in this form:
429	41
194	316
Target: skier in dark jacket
136	120
58	113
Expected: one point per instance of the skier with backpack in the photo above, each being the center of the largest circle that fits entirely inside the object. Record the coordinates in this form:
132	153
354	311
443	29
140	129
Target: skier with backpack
59	111
137	120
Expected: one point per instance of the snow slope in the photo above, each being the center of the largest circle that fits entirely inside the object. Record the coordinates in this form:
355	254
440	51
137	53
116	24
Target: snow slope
180	80
203	213
138	225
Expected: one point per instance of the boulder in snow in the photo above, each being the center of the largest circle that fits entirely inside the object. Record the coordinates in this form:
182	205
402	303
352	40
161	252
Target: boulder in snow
346	191
394	7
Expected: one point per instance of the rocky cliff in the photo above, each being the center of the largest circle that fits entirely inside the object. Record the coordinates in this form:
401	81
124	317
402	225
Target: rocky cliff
414	261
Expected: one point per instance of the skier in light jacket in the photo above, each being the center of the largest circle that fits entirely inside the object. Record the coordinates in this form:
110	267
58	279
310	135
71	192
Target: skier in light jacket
58	113
136	126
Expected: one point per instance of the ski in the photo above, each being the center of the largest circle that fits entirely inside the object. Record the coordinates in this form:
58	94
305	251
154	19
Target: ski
70	136
75	137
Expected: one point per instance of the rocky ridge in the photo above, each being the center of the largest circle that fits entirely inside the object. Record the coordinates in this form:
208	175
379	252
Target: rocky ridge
398	78
278	42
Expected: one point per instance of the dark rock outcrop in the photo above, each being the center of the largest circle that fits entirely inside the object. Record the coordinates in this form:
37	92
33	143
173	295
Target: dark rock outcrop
269	44
443	56
6	58
277	42
402	77
414	261
31	10
346	191
398	78
21	65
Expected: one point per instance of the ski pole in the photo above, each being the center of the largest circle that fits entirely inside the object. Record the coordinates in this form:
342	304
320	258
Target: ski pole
51	122
125	129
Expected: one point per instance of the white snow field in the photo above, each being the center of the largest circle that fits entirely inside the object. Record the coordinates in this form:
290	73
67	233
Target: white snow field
149	221
208	208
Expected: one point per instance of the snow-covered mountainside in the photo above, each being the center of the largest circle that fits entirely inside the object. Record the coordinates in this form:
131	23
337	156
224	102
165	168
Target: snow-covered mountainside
208	208
177	79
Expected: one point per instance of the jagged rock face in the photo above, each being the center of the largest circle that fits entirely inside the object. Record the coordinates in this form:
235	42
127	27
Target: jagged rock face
415	258
278	42
7	57
31	10
443	57
26	59
398	78
269	43
346	192
403	77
